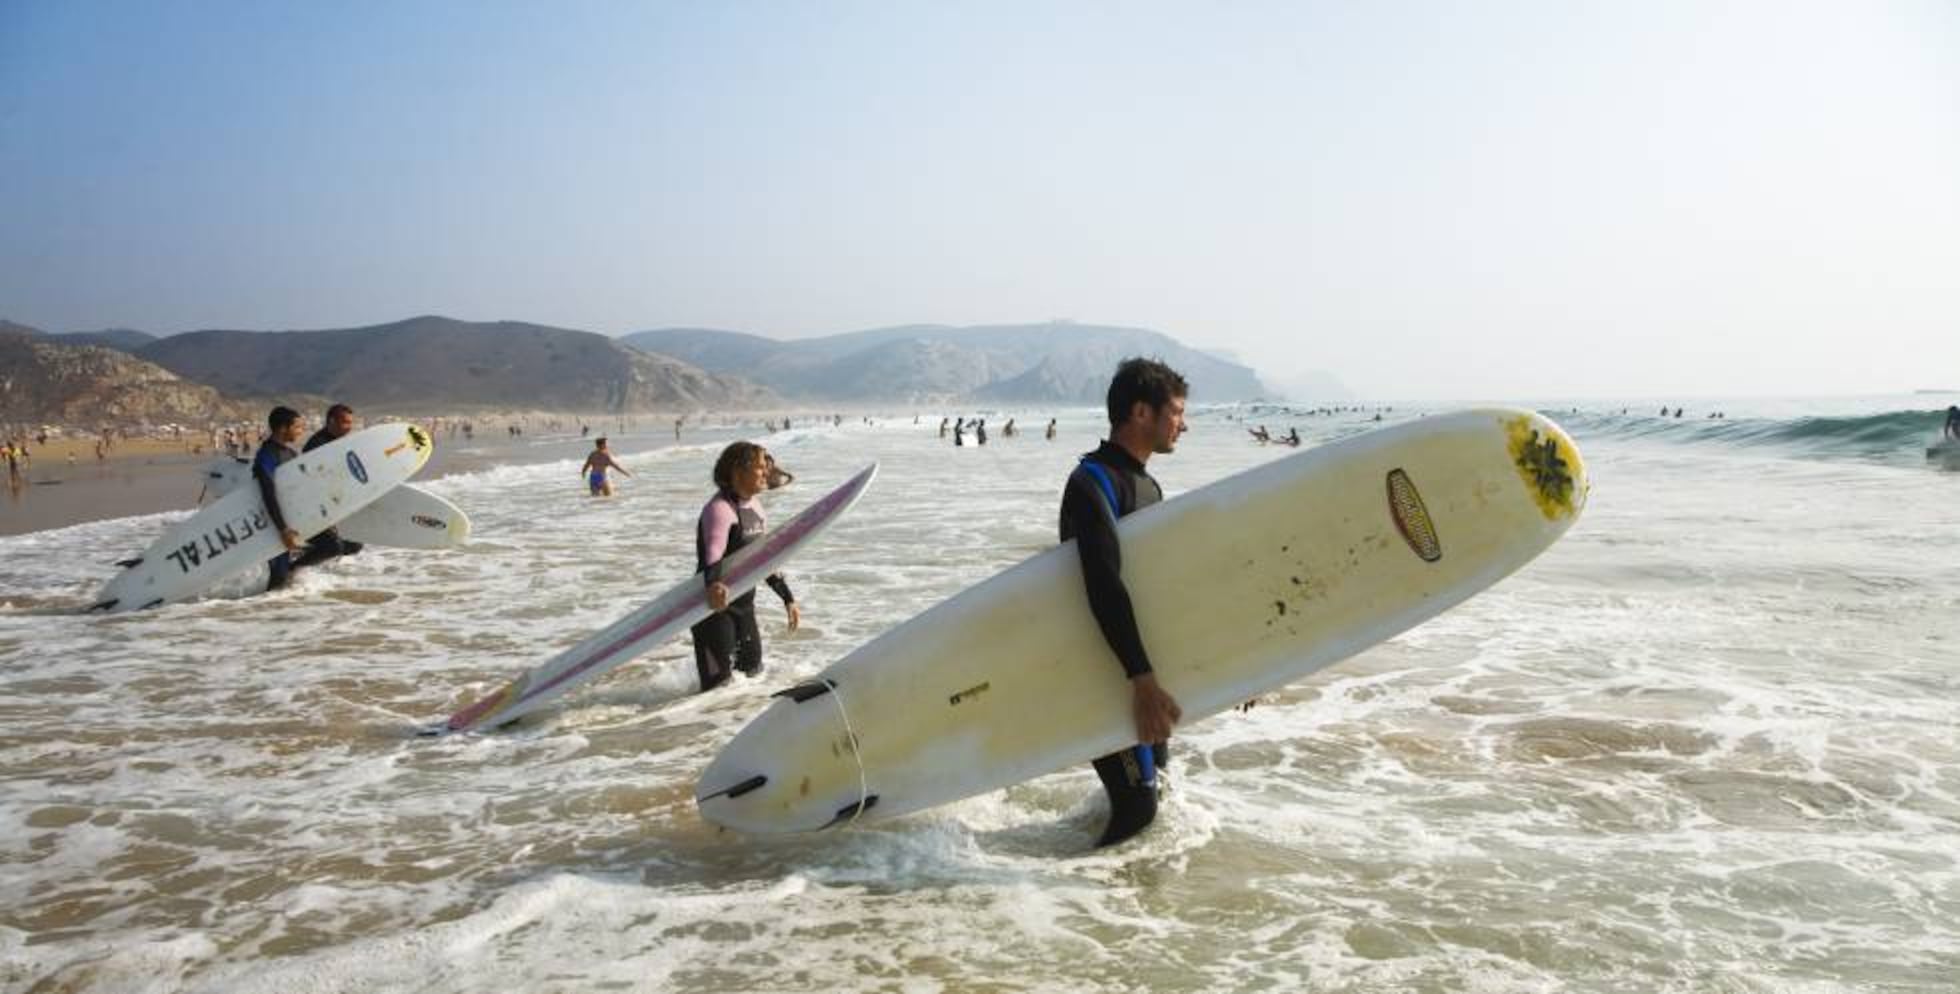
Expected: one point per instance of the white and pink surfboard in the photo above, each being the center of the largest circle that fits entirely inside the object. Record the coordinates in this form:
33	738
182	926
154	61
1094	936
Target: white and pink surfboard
665	617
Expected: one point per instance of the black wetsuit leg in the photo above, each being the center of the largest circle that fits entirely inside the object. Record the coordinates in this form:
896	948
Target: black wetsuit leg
324	546
1132	802
281	566
748	638
714	649
728	641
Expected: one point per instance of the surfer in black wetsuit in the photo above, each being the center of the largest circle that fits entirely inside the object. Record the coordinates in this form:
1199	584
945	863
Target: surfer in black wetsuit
1952	428
328	544
728	639
1146	416
286	425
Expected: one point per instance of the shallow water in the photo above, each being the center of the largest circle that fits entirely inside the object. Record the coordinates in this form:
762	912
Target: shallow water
1707	743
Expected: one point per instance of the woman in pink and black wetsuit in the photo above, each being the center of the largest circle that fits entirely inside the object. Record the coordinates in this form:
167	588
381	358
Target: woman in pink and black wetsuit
728	639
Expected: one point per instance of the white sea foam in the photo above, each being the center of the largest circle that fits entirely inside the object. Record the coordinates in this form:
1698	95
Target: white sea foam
1704	744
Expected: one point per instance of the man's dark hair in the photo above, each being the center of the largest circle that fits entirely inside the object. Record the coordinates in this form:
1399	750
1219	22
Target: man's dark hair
738	456
338	410
280	417
1144	380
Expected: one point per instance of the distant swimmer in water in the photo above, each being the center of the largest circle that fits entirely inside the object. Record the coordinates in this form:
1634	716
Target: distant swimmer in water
1051	429
1292	437
1007	430
596	464
728	639
959	432
1952	427
980	431
1260	434
944	424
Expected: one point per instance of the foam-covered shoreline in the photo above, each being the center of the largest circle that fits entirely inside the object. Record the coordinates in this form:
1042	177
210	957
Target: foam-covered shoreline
142	476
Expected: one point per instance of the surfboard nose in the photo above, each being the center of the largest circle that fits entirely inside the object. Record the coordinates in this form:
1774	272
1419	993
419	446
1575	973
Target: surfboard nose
1548	464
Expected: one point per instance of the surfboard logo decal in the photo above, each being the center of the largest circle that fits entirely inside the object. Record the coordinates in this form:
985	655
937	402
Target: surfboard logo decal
427	522
1411	517
418	438
354	466
1546	465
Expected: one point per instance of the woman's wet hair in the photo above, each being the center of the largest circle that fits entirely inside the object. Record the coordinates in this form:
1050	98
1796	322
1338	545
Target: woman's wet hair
737	456
778	476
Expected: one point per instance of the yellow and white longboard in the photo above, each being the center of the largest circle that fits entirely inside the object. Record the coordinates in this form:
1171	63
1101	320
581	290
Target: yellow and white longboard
1240	587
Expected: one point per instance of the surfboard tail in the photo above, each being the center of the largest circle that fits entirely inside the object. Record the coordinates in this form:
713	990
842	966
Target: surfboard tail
480	712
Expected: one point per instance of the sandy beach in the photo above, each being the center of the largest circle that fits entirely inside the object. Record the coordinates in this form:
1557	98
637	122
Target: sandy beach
66	483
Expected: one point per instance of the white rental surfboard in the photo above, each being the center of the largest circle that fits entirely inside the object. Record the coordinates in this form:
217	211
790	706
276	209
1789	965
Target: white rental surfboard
316	491
406	517
666	616
1240	587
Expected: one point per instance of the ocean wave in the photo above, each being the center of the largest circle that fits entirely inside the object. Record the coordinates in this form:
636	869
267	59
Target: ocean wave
1891	436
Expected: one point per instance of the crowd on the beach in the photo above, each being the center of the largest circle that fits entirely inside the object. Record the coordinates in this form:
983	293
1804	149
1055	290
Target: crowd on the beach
19	457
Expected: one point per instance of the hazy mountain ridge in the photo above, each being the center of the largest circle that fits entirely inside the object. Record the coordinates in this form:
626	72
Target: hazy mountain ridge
45	380
436	364
1038	363
125	339
122	339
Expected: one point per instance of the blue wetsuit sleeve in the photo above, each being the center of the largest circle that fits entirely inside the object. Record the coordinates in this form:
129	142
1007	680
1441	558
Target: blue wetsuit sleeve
1087	514
263	466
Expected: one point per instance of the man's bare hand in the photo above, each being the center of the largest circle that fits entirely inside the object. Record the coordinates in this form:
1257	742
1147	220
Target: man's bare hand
795	615
718	596
291	540
1155	709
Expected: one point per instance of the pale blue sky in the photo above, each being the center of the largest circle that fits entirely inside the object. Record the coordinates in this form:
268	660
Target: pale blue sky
1430	200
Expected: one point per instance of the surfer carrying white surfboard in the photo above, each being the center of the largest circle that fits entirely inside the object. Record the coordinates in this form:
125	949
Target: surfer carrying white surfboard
1146	416
285	426
328	544
728	639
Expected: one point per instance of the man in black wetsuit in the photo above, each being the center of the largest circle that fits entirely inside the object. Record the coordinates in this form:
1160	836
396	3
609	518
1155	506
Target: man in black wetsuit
1146	416
286	425
328	544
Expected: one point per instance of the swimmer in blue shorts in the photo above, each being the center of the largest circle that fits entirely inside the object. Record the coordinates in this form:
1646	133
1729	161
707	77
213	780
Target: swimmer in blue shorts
596	466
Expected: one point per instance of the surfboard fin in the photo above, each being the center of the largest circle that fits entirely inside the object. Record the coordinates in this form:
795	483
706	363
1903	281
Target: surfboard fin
104	605
851	811
130	563
752	783
806	691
